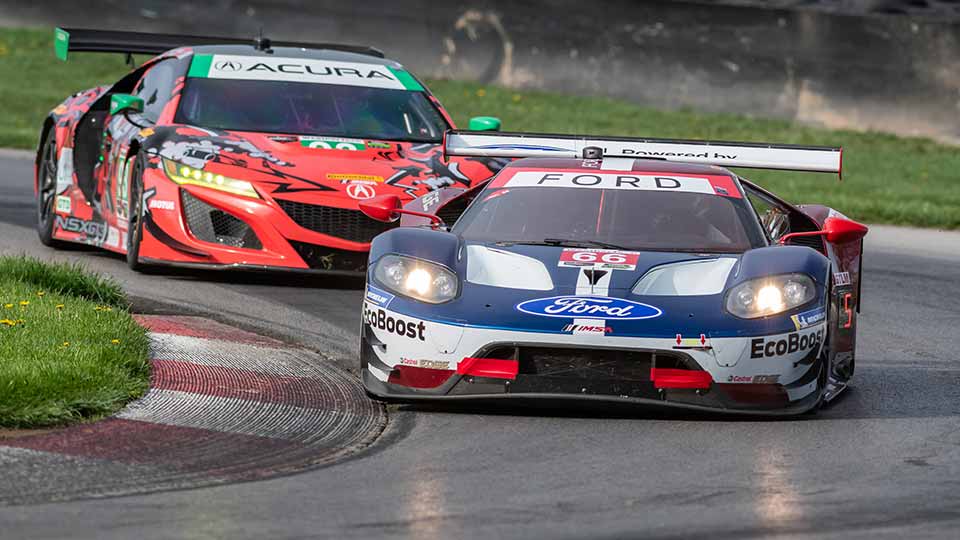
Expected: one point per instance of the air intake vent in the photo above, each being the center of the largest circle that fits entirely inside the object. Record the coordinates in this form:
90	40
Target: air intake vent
211	224
343	223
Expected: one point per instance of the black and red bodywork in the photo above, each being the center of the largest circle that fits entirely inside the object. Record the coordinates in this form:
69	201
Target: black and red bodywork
306	217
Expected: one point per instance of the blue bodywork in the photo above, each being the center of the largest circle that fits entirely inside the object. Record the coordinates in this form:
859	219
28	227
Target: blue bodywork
482	306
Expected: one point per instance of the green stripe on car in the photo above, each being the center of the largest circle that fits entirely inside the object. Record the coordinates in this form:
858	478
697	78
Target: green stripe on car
200	66
406	79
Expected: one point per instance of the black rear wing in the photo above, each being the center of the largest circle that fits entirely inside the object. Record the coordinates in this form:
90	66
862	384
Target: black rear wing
66	40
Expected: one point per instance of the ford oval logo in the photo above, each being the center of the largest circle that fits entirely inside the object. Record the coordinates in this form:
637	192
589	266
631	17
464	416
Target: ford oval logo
595	307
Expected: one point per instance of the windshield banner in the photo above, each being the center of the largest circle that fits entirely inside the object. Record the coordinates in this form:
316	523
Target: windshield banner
260	68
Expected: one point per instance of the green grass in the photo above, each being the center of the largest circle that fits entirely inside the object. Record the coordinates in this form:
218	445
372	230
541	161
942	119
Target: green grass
69	351
888	179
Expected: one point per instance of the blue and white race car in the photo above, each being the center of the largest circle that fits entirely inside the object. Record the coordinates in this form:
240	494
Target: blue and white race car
628	270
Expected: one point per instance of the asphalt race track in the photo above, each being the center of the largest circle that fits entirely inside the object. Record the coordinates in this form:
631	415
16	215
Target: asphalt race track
884	461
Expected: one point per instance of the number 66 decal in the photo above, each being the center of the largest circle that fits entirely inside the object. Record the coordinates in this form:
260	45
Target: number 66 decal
598	259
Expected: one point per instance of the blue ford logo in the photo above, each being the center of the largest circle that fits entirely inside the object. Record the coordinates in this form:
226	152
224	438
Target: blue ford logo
596	307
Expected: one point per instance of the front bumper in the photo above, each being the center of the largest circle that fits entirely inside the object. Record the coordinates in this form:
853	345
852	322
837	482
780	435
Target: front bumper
449	361
193	226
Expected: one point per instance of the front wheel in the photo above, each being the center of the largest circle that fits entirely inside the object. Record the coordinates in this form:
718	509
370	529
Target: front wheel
135	221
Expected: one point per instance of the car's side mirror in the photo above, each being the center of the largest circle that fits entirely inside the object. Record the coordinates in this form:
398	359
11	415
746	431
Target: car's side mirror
382	207
125	102
484	123
836	230
843	231
387	208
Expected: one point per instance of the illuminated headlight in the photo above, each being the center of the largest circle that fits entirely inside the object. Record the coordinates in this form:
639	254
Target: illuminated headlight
415	278
770	295
183	174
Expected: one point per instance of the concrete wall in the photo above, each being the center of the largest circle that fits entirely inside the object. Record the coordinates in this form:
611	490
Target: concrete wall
888	73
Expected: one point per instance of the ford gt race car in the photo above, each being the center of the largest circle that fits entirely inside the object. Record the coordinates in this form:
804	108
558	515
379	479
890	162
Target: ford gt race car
627	270
222	152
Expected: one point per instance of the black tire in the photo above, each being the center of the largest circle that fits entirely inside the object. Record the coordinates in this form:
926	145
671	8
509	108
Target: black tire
135	217
47	190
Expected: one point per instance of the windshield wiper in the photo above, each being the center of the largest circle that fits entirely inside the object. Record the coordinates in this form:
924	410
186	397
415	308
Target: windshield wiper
565	242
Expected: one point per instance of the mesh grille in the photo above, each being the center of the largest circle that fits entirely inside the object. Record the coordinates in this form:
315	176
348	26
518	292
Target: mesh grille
815	242
340	222
586	363
214	225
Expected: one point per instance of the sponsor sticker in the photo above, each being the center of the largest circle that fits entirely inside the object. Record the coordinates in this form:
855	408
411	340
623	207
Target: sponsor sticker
308	70
378	144
625	181
63	204
350	177
589	306
361	191
791	343
809	318
333	143
754	379
428	364
841	278
378	318
598	259
160	204
702	342
598	327
92	229
430	199
113	237
378	297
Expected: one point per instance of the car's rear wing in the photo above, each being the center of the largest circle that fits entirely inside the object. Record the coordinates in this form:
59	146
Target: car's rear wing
66	40
725	154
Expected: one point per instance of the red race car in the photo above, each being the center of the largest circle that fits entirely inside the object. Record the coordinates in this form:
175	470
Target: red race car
231	153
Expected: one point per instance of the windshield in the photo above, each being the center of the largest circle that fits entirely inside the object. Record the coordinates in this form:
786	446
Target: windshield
310	109
616	218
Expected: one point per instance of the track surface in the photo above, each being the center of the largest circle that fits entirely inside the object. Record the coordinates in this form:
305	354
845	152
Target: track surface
883	461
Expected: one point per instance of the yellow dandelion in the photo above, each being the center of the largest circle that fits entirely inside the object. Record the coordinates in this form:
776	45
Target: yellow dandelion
66	343
8	306
517	98
40	293
481	92
59	306
115	341
8	322
24	302
103	308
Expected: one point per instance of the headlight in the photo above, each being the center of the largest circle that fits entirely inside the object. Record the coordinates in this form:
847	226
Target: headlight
415	278
183	174
770	295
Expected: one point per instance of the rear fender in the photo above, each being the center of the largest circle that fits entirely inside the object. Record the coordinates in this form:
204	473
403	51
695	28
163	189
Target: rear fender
448	203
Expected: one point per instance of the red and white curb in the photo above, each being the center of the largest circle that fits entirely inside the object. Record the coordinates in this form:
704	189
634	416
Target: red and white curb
224	405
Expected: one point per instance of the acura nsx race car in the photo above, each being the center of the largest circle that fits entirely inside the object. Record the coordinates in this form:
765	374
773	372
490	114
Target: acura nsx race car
222	152
628	270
